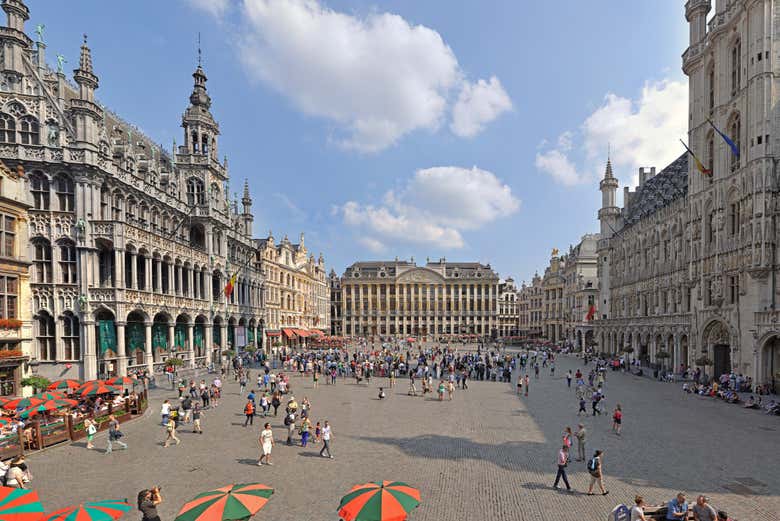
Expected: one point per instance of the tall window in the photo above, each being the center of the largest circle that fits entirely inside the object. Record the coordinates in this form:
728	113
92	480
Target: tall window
736	65
65	193
711	86
7	128
71	348
711	229
68	262
29	131
47	349
9	294
42	260
130	215
105	203
736	128
7	235
711	154
195	192
39	186
116	208
734	218
734	289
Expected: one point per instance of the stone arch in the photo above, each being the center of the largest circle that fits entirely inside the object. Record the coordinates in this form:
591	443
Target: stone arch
768	370
717	341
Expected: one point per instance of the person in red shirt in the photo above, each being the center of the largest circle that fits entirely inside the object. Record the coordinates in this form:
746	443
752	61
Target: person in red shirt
617	420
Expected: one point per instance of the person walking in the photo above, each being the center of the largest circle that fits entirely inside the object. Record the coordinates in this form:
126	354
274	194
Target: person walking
568	379
276	401
583	405
580	435
266	444
114	435
91	429
596	473
617	419
242	384
527	384
165	411
289	422
186	406
249	412
170	430
563	460
305	430
196	415
327	435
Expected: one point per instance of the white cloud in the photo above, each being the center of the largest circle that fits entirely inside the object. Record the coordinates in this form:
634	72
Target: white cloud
478	104
376	77
433	208
216	8
372	245
641	132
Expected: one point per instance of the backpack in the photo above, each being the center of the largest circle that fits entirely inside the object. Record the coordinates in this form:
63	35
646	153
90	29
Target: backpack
287	420
593	465
249	409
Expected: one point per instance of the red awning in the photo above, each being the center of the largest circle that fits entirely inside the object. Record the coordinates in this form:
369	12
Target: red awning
273	333
301	333
316	332
289	333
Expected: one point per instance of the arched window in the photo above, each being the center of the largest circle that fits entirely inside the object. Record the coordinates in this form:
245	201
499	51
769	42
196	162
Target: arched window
105	203
68	262
7	128
143	214
711	228
204	144
711	87
195	143
29	131
47	349
42	260
195	192
735	130
39	186
130	213
736	65
198	237
63	185
711	154
735	214
154	219
116	208
71	347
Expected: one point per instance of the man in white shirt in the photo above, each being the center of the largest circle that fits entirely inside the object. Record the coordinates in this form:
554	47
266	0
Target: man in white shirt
326	437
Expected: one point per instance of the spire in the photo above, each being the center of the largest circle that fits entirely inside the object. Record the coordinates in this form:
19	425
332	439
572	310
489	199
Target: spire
85	75
246	198
608	171
85	61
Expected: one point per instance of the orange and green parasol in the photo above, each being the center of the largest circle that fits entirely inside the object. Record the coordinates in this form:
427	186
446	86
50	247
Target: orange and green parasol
49	405
64	385
18	504
232	502
107	510
22	403
379	501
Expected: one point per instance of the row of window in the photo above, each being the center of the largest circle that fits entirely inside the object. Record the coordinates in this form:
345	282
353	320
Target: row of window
25	130
64	190
46	336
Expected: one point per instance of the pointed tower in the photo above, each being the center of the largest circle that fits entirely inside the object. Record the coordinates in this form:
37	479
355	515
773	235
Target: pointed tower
87	114
609	212
246	216
15	44
200	129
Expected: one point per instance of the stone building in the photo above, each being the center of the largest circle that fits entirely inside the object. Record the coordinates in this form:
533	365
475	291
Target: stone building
508	308
688	265
553	284
336	325
398	298
16	353
531	299
297	294
580	291
131	245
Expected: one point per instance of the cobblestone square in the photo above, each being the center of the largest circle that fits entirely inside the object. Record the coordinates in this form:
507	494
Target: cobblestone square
485	455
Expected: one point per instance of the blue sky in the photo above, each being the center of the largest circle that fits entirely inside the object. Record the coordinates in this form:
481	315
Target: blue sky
470	130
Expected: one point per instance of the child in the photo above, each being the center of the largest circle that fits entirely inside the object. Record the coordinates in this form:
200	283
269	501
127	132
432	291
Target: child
381	393
617	419
317	433
582	406
196	414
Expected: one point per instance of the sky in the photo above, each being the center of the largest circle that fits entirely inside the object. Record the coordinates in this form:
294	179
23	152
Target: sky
474	131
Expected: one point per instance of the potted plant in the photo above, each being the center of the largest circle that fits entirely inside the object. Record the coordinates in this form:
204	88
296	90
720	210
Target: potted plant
174	361
38	383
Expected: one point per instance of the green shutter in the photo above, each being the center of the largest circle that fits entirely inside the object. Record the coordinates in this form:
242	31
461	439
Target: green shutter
217	335
160	336
198	335
135	337
106	336
232	336
180	337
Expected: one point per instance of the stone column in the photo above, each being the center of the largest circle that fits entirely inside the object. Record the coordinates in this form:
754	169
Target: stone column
190	283
171	278
159	276
148	349
208	341
224	335
121	350
171	336
177	272
119	268
89	347
148	267
191	343
134	270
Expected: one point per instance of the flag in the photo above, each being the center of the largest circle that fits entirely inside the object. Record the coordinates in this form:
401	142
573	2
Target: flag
229	286
699	165
733	146
591	313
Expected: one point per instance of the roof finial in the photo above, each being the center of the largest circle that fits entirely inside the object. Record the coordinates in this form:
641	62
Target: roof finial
85	38
200	54
609	147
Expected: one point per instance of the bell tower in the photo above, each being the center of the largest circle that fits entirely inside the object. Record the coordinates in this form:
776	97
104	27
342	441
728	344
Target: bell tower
609	211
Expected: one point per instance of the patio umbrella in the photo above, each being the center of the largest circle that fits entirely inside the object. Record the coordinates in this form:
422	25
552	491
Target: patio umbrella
22	402
19	504
232	502
49	405
5	420
121	380
97	388
50	395
64	385
107	510
379	501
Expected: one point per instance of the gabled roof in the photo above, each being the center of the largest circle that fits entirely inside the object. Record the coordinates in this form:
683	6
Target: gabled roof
659	191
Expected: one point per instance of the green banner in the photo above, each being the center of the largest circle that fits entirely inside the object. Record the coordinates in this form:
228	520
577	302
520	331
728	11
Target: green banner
160	336
180	336
216	335
135	337
198	335
231	336
106	336
250	335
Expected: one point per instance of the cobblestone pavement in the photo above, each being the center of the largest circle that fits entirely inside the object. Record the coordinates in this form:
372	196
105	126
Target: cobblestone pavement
486	455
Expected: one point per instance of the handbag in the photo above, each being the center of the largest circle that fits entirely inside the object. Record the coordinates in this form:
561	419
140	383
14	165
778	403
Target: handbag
91	429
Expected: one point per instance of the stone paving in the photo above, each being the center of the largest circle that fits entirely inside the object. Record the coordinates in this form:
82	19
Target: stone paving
486	455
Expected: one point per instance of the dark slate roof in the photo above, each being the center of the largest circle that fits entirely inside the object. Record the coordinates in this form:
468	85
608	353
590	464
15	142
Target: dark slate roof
659	191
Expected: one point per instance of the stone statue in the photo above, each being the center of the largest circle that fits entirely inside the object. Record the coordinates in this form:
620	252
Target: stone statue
39	31
60	62
54	135
554	252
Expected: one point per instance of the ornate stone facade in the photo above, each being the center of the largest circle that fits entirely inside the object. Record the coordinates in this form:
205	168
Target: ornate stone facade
581	291
297	295
336	319
531	308
399	298
553	284
508	309
131	244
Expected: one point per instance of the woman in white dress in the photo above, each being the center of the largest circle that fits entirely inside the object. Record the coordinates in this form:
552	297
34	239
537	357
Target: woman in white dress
266	444
637	513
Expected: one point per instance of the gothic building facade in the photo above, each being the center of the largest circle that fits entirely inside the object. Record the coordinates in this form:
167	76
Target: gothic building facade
131	245
508	308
